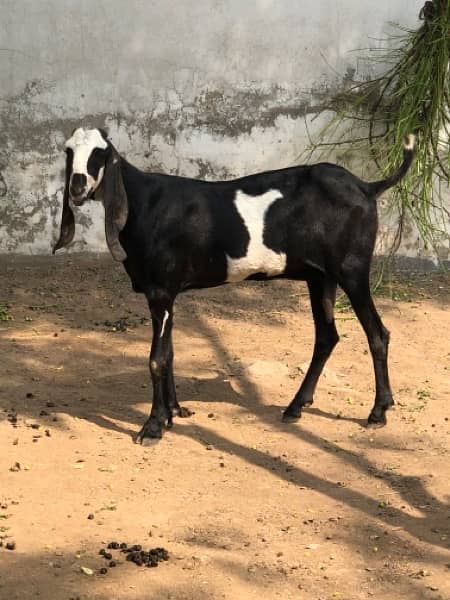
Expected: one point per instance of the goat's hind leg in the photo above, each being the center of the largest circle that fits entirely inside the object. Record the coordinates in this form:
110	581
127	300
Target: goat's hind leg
323	296
358	291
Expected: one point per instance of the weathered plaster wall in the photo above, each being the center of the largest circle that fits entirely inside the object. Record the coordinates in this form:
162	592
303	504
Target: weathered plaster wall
207	88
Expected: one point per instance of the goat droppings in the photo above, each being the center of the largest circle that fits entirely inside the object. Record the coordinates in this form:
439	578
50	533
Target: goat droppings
135	554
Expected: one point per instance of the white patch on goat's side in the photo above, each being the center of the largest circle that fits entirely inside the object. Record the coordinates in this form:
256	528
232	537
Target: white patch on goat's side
259	258
166	316
82	143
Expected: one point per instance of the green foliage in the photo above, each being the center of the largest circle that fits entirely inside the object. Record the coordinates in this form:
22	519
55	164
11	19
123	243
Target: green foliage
411	96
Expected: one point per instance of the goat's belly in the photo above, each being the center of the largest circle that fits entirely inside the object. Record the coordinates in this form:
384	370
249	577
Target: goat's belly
265	261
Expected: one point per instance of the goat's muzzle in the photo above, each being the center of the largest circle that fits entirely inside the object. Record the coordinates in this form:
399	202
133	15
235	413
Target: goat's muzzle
77	188
78	200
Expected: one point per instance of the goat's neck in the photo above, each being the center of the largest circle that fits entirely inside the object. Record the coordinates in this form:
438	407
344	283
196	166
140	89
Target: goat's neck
133	179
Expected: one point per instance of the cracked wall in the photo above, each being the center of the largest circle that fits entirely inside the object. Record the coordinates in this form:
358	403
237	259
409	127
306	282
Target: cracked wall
210	89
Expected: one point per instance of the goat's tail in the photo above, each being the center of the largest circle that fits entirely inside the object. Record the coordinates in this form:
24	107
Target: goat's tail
378	187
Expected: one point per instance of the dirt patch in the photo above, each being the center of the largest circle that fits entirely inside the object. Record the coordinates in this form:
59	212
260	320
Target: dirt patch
247	507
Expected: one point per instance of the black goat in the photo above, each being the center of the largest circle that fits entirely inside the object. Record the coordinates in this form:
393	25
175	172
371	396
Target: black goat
314	222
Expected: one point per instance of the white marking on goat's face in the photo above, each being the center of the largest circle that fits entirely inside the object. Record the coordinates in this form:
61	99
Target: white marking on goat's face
88	162
259	258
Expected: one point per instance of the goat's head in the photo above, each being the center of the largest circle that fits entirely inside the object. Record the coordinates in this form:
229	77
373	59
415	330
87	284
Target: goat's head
87	150
92	163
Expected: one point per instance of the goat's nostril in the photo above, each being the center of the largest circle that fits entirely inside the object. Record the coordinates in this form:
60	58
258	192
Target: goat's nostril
78	184
76	190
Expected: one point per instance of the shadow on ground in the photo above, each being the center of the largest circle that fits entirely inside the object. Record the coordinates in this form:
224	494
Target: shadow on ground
75	296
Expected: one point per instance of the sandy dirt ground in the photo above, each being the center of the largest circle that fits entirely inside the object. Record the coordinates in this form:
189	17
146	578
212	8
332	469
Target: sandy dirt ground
247	507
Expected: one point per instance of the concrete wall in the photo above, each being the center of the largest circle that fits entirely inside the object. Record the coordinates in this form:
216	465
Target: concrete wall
204	88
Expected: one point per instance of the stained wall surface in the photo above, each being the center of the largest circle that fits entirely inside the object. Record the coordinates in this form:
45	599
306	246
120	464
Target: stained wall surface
205	88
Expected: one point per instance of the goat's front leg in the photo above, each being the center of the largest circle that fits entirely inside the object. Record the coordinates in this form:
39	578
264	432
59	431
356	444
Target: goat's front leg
174	409
160	363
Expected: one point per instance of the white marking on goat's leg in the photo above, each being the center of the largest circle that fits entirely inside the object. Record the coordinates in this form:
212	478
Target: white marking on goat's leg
166	316
259	258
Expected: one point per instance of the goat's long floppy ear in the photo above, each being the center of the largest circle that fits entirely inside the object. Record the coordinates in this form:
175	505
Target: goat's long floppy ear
116	204
67	230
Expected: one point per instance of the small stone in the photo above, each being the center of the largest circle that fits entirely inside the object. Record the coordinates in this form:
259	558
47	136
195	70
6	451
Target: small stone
103	571
10	546
91	516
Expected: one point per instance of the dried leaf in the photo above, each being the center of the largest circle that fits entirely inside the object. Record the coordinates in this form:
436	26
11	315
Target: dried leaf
108	469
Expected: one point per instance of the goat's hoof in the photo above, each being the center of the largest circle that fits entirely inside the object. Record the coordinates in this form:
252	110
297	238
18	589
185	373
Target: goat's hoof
146	439
291	417
375	422
150	434
146	442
